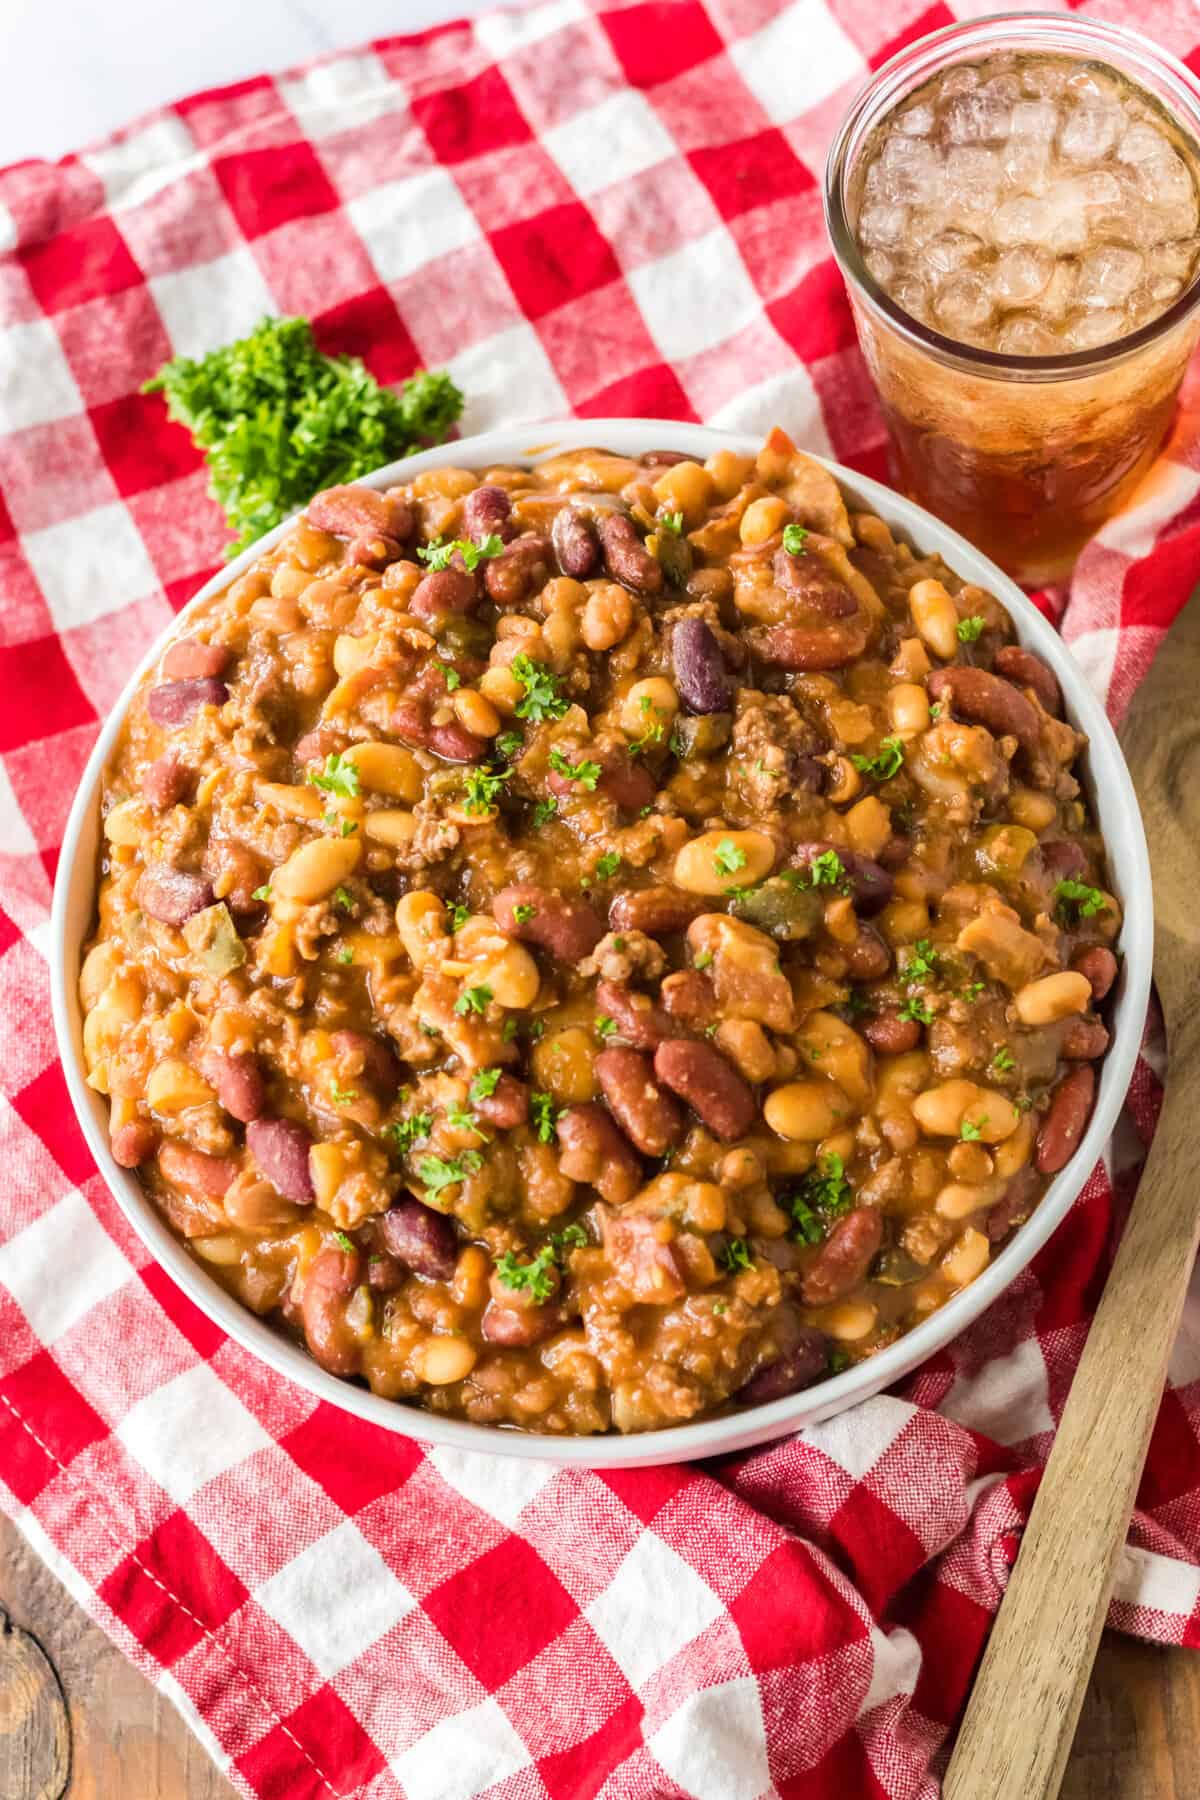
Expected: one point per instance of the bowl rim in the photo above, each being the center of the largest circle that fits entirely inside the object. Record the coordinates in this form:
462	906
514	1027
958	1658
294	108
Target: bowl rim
73	911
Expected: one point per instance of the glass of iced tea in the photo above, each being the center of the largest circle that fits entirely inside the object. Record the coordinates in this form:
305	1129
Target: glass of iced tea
1015	206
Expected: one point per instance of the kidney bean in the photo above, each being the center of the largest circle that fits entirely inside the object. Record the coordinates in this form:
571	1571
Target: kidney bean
238	1081
507	1106
451	741
567	929
844	1258
990	701
813	585
329	1280
700	673
868	957
189	660
280	1148
626	557
172	895
368	552
709	1084
374	1060
420	1238
1084	1040
650	1118
1063	1126
639	1022
1014	1205
689	995
237	872
626	782
174	702
444	591
575	543
641	1261
807	646
165	781
517	1327
486	513
662	459
352	511
658	911
895	851
319	743
1017	664
593	1149
196	1171
1063	860
808	775
797	1368
870	884
133	1143
891	1035
519	572
1100	967
384	1274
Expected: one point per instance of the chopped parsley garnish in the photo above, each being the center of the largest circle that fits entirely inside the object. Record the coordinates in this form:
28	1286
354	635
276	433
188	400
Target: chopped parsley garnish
971	1130
345	954
544	1114
509	742
916	1010
537	1278
524	912
409	1131
823	1195
1074	899
672	522
728	857
607	866
343	1242
451	676
826	870
279	421
604	1026
921	963
461	1119
794	538
473	1000
339	776
437	554
972	991
703	960
482	787
544	811
459	914
343	899
888	760
542	698
341	1096
571	1237
736	1255
857	1003
345	828
839	1359
262	893
970	629
484	1085
936	711
1004	1060
438	1172
586	773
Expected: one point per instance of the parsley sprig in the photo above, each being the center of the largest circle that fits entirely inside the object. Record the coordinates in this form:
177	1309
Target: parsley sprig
1076	900
822	1196
438	1172
437	553
542	698
887	761
339	776
584	773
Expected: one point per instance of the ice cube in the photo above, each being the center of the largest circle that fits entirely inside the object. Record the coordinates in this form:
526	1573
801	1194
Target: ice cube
972	176
1023	335
1027	219
1108	275
1170	190
1088	330
958	81
964	302
949	251
882	223
1140	142
1044	80
881	265
915	121
1089	132
908	169
1020	274
1034	119
979	118
1176	259
911	296
1059	292
1164	288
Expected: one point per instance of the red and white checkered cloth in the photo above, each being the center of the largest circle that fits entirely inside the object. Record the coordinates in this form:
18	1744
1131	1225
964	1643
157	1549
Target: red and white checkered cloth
604	208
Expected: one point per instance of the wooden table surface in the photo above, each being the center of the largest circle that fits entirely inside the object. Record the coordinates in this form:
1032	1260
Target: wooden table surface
1139	1737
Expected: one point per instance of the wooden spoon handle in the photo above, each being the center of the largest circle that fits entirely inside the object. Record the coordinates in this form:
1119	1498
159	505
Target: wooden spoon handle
1022	1714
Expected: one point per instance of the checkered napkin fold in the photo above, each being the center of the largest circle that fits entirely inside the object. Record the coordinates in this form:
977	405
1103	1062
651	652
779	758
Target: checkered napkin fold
578	207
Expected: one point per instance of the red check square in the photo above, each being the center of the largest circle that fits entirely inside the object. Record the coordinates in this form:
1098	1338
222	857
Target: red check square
581	1772
815	318
472	120
501	1610
173	1589
355	1463
86	262
752	172
369	326
661	39
790	1611
46	1108
554	257
141	446
41	694
651	393
266	188
288	1763
44	1422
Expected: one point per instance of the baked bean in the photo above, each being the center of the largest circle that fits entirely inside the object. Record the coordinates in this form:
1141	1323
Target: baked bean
443	592
763	518
423	1240
566	929
648	1116
329	1280
607	616
1014	1205
443	1360
626	557
790	1373
686	488
187	659
867	958
1017	664
1053	997
657	911
966	1258
196	1171
575	543
133	1143
813	584
700	672
935	617
175	702
238	1081
1063	859
943	1110
808	648
1100	968
507	1106
165	781
844	1258
314	869
990	701
280	1148
172	895
594	1149
709	1084
626	782
716	861
518	1327
638	1021
806	1111
372	1060
689	995
520	570
888	1033
652	703
352	511
486	513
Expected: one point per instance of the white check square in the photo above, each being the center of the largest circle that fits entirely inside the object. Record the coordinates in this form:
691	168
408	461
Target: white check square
90	565
653	1606
336	96
36	383
500	1485
610	142
464	1754
699	296
189	1431
209	304
61	1266
507	378
501	33
406	224
141	163
715	1743
336	1598
797	60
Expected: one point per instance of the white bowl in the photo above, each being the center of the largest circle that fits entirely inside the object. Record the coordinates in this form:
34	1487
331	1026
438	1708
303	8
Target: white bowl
1112	795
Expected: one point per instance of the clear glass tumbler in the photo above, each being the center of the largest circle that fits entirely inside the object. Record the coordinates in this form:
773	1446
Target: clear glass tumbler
1026	456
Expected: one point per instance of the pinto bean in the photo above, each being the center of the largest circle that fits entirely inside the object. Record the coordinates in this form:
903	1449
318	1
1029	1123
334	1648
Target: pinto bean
352	511
593	1149
868	957
317	744
451	741
1100	967
423	1240
172	895
517	1327
133	1143
709	1084
1062	1127
238	1081
844	1258
1084	1040
888	1033
641	1260
870	884
384	1274
372	552
990	701
567	929
626	557
797	1368
658	911
689	995
520	571
1014	1205
807	647
639	1022
444	591
280	1148
174	702
700	673
650	1118
486	513
236	872
1063	859
507	1106
165	781
374	1060
813	585
1017	664
329	1280
662	459
189	660
575	543
626	782
196	1171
